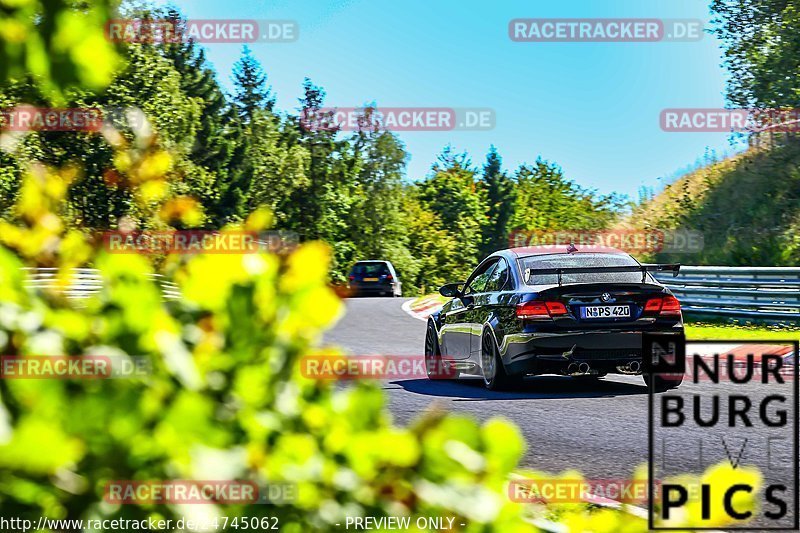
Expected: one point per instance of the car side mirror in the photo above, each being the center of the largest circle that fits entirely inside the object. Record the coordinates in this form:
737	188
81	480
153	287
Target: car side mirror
450	290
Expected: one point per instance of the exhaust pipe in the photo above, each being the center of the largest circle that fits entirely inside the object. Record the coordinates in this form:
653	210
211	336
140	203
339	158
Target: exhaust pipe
630	368
583	368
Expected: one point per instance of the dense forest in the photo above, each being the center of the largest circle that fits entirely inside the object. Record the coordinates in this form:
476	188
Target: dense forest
234	153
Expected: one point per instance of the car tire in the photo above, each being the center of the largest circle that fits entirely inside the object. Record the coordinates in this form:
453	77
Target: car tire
493	371
661	384
434	366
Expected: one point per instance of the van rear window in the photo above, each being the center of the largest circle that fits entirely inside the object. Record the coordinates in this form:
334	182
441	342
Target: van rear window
366	269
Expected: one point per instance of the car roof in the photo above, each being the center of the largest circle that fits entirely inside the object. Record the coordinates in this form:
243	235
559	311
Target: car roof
387	264
530	251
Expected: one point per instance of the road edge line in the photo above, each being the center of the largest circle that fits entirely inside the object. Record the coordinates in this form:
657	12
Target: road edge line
407	308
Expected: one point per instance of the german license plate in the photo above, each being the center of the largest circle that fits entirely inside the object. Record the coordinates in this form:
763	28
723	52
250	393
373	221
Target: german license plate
370	279
606	311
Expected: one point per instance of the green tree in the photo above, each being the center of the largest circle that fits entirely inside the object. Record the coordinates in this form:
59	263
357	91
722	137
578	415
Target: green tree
457	198
762	51
218	133
251	100
279	167
546	200
500	198
377	228
436	254
250	80
322	208
146	96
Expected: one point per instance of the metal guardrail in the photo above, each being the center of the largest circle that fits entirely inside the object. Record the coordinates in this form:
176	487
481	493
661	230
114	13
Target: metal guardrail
768	293
85	282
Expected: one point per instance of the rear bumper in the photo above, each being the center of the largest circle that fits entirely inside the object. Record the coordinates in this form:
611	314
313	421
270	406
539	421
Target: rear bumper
372	288
552	353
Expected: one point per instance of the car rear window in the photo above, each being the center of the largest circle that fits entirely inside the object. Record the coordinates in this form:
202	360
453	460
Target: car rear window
367	269
578	261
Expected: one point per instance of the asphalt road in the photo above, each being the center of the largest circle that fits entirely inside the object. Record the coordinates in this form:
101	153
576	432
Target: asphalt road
599	428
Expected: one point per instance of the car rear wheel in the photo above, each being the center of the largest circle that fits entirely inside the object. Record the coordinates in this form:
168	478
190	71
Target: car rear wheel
492	369
662	384
434	366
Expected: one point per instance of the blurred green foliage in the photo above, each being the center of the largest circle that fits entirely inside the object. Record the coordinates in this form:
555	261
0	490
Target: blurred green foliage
225	398
60	42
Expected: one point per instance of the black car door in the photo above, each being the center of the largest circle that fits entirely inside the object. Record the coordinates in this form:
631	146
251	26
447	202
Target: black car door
457	322
475	299
486	303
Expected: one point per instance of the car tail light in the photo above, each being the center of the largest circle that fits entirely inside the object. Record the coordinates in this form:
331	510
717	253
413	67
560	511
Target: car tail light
653	305
389	277
352	277
666	306
538	309
670	306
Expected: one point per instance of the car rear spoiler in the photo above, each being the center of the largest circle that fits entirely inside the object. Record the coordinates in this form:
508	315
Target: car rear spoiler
644	269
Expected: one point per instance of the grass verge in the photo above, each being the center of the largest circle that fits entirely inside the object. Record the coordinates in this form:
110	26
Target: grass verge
697	331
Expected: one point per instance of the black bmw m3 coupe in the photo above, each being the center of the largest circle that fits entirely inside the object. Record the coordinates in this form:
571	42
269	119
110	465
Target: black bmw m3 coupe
546	310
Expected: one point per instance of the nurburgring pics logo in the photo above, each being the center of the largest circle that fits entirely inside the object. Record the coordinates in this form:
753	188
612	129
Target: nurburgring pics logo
397	119
165	31
625	30
743	424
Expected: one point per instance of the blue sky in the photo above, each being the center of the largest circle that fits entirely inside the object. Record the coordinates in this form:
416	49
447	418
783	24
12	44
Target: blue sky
593	108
